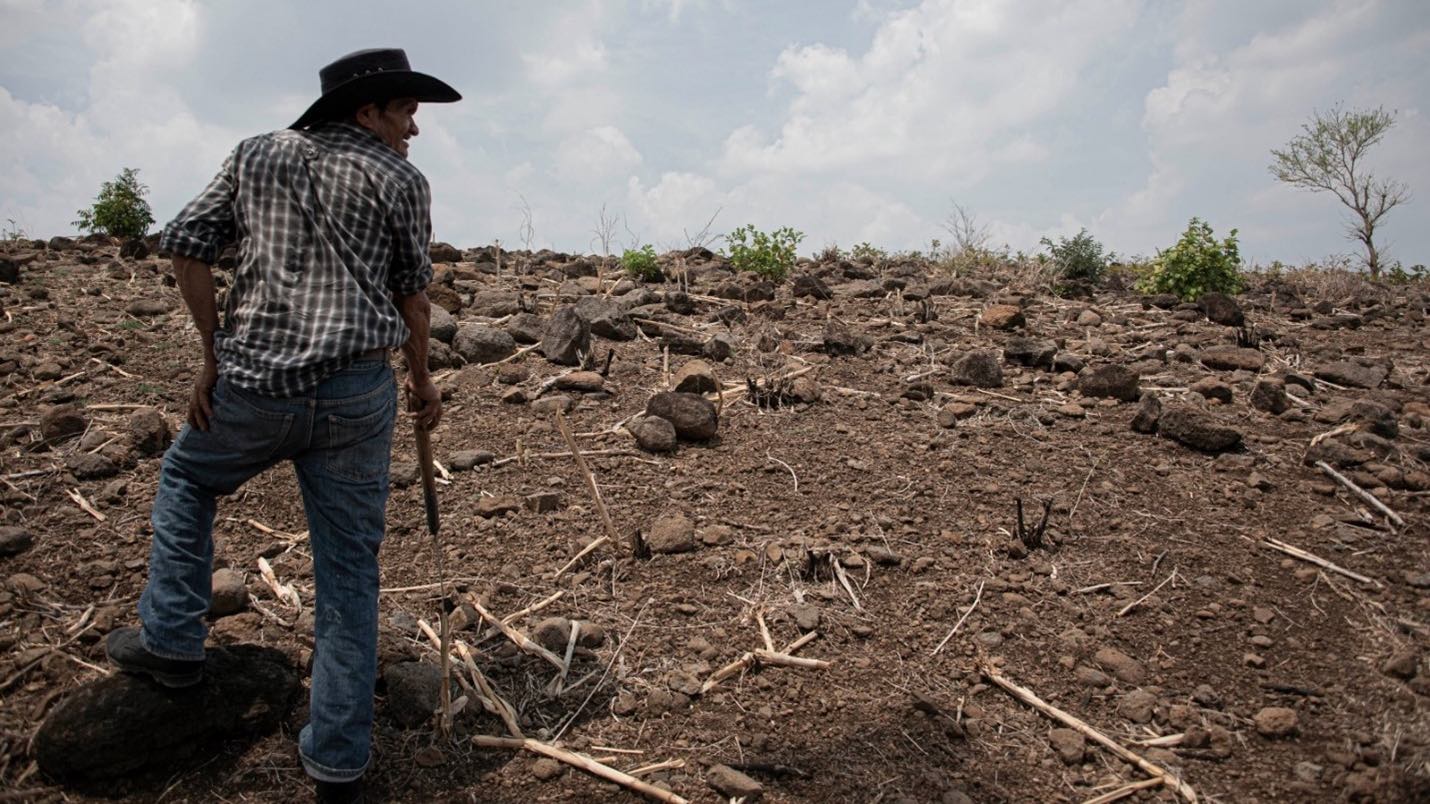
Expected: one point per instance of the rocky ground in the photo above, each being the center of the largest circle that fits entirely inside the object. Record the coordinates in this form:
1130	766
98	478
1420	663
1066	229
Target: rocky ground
845	456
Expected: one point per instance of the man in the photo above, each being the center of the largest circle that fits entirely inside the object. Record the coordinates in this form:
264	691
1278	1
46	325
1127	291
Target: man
332	225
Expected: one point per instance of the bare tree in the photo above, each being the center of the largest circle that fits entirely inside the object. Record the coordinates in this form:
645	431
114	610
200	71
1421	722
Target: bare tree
527	231
968	236
703	237
1330	157
605	231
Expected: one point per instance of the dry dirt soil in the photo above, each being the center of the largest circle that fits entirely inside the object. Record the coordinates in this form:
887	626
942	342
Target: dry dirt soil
871	500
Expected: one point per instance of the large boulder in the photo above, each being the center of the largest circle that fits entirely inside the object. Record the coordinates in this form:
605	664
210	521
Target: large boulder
1109	381
494	303
479	343
979	369
694	416
567	337
123	723
1198	430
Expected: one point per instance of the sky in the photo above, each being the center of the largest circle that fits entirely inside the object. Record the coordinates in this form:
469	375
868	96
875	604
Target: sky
849	120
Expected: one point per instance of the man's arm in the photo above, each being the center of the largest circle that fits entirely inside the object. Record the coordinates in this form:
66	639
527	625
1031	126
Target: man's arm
196	284
416	312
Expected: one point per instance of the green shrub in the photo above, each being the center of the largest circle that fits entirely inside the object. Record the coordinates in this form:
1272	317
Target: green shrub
120	209
1079	258
771	255
641	264
1197	264
874	253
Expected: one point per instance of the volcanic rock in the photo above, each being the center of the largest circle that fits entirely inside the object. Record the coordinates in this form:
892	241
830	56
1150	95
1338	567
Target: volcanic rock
1070	745
1232	358
842	339
652	433
695	377
671	533
732	784
526	328
230	595
15	540
1353	375
414	690
694	416
149	431
1002	316
442	326
480	343
1030	351
567	337
1212	388
1269	395
1110	381
979	369
1221	309
122	723
1198	430
1276	721
811	286
62	421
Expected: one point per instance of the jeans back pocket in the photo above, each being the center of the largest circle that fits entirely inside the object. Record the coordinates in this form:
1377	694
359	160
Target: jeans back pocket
358	447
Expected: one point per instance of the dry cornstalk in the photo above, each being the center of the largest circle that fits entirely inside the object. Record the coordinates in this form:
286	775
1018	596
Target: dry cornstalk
585	551
1124	791
517	615
566	660
785	660
669	764
734	668
284	592
517	637
590	478
844	581
522	456
1134	604
499	706
1370	499
84	505
580	762
764	631
977	596
1030	698
1296	552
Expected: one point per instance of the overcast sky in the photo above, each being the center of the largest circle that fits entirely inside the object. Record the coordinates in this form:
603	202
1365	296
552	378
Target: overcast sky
851	120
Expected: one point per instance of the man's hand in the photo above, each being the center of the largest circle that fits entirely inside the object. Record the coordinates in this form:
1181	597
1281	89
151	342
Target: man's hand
425	402
201	408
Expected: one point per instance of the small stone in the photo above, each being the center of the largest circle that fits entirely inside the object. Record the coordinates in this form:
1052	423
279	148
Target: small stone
1212	388
1232	358
1269	396
144	308
733	784
1403	665
806	617
652	433
586	382
230	594
15	540
548	405
1109	381
413	692
1149	414
553	633
1353	375
488	507
542	502
1070	745
546	769
91	465
671	533
1092	677
1198	430
62	421
1137	706
149	431
469	459
979	369
1120	665
695	377
1034	352
694	416
1222	309
1276	721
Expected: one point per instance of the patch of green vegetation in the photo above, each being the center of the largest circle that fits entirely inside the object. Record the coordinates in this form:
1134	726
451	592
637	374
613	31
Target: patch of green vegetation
1197	264
120	209
641	264
768	254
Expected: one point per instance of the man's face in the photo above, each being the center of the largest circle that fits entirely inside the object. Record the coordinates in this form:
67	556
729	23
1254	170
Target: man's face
391	122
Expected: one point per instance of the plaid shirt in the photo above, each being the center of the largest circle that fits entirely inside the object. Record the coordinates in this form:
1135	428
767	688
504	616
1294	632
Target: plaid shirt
329	224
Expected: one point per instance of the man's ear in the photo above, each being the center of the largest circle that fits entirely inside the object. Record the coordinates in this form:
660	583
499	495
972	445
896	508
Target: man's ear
367	115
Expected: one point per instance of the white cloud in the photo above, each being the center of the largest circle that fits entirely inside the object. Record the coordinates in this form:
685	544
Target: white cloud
597	152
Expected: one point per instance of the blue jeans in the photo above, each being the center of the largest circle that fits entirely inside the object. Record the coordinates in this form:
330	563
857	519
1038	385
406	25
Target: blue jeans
339	438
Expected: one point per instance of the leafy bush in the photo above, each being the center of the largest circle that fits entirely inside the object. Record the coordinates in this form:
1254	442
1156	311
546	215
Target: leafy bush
872	252
1197	264
1080	257
641	264
120	209
771	255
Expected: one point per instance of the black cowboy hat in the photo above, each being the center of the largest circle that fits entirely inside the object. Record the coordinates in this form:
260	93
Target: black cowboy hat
370	76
